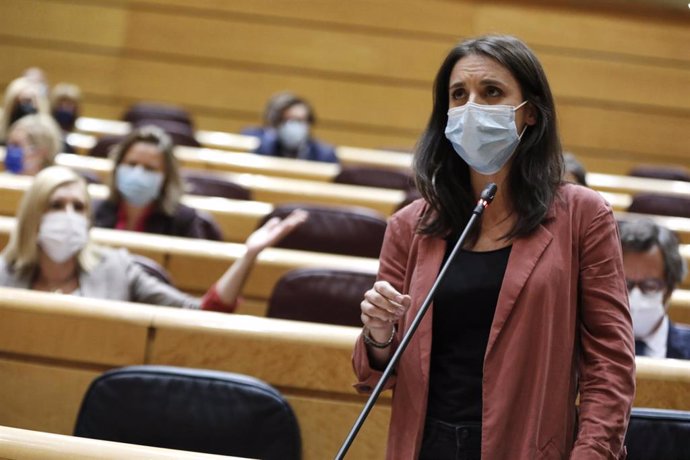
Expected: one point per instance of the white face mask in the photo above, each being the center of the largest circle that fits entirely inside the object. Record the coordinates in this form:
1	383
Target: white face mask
485	136
63	234
647	311
293	133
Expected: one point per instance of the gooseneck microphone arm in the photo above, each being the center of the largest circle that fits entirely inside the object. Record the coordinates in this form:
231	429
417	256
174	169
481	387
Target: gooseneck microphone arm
485	199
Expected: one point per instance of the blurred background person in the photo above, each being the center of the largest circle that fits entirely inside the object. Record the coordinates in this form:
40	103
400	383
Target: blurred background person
32	143
146	187
50	250
653	269
22	97
574	171
287	130
65	105
37	76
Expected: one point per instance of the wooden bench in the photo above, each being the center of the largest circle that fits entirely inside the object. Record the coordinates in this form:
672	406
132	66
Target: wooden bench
19	444
385	159
277	190
237	218
196	264
53	346
89	128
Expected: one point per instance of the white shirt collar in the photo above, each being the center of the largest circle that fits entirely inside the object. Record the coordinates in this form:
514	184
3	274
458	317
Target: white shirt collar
657	340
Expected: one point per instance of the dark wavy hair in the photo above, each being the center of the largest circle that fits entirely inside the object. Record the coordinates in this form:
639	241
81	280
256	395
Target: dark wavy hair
443	178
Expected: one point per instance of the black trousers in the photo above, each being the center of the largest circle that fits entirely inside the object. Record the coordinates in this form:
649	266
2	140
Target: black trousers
446	441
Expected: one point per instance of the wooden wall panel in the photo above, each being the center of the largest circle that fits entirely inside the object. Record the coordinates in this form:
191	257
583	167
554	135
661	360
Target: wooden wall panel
430	20
84	24
616	35
367	66
284	49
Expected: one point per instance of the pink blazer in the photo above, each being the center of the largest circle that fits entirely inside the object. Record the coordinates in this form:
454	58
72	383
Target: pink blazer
562	327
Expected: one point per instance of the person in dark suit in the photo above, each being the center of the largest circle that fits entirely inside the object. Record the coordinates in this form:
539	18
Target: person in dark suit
288	121
653	268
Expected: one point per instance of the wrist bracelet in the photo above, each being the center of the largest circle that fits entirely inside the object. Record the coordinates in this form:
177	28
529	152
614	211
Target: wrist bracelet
369	341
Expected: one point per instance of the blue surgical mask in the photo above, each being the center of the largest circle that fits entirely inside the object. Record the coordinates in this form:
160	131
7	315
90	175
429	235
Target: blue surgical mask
14	159
293	133
137	185
485	136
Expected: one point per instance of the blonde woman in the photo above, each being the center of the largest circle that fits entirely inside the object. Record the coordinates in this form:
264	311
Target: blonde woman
50	250
32	143
145	188
22	97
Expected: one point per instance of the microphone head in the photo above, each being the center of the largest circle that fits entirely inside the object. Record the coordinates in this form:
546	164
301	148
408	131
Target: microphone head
488	193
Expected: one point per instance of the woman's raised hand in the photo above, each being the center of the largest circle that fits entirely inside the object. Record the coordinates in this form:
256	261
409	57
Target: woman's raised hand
274	230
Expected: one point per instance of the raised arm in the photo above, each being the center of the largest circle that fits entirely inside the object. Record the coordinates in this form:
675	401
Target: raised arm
229	285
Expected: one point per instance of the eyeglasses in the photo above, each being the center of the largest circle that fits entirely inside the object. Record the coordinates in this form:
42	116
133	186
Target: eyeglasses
647	285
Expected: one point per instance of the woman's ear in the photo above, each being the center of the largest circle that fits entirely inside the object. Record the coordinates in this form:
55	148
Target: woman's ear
530	114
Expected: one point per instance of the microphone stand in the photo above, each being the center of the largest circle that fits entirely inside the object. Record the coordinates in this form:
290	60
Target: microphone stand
485	199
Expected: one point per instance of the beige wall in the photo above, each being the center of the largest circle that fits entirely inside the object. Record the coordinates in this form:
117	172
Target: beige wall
621	76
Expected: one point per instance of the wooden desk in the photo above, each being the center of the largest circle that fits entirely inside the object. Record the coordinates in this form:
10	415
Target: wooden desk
18	444
237	218
196	264
42	386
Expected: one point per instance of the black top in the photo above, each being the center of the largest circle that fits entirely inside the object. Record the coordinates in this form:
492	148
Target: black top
186	222
464	308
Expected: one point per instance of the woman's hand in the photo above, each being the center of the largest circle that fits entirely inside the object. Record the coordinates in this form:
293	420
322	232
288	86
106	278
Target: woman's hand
274	230
381	308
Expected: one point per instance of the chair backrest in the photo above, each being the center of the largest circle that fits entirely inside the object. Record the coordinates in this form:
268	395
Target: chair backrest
104	145
181	133
661	172
152	267
190	409
320	296
336	230
209	184
156	111
658	434
663	205
374	177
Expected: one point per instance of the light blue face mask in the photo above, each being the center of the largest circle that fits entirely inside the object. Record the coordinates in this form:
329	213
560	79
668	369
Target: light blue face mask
485	136
293	133
137	185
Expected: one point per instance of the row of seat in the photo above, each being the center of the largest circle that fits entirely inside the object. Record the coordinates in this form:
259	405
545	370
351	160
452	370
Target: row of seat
195	264
45	375
213	158
53	346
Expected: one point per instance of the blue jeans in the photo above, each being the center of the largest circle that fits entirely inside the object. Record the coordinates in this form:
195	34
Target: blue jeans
446	441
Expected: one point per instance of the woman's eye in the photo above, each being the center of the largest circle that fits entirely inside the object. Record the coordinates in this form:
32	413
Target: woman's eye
79	207
457	94
55	206
492	91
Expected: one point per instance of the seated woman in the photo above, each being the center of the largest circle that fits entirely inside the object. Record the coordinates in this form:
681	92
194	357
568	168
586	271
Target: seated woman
145	189
49	250
288	120
32	143
22	97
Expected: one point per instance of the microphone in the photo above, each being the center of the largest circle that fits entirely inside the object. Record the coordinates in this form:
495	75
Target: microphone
485	199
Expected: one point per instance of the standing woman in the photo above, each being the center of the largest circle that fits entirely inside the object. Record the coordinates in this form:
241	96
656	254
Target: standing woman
533	310
146	187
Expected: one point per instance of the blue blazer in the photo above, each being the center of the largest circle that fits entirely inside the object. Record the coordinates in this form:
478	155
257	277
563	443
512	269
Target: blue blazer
678	344
270	146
